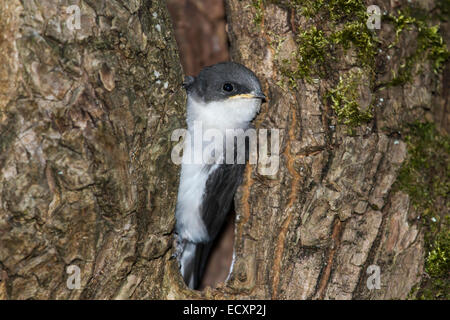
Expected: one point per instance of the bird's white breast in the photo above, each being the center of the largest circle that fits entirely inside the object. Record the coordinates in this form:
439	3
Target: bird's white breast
229	114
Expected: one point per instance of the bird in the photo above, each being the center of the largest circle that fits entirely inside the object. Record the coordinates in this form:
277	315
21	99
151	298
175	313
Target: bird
224	96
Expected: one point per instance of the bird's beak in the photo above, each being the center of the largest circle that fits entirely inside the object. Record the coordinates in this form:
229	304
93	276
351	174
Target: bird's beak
259	95
253	95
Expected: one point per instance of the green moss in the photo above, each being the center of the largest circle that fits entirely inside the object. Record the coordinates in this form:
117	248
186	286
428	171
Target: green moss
317	46
333	10
401	22
356	33
438	259
259	15
340	25
321	47
430	45
421	176
344	101
425	176
437	266
313	51
316	49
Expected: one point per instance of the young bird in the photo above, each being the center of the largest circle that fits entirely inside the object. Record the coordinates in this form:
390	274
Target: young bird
223	96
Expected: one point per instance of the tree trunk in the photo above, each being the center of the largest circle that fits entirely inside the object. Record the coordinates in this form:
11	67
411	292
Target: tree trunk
312	231
332	214
86	178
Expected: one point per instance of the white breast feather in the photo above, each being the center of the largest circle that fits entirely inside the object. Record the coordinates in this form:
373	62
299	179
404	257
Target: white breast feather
229	114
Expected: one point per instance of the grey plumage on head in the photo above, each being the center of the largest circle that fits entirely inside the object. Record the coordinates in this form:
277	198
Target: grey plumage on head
223	81
188	80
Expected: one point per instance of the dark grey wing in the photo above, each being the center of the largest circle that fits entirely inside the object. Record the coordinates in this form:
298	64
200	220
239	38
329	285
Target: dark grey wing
219	194
217	200
193	259
220	189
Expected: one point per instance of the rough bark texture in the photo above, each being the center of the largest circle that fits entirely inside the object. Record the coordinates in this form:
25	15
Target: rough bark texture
85	172
311	231
86	177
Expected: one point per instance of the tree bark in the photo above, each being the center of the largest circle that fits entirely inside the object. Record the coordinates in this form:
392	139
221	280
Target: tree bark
313	230
86	177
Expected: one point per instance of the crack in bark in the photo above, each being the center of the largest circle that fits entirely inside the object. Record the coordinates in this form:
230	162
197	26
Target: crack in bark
325	277
289	207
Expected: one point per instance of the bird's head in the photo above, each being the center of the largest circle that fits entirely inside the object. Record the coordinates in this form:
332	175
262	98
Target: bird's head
224	81
226	90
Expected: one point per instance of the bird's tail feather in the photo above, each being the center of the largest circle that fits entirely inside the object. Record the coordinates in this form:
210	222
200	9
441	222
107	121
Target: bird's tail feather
193	260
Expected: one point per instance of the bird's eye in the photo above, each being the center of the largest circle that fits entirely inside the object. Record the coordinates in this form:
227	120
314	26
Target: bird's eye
228	87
